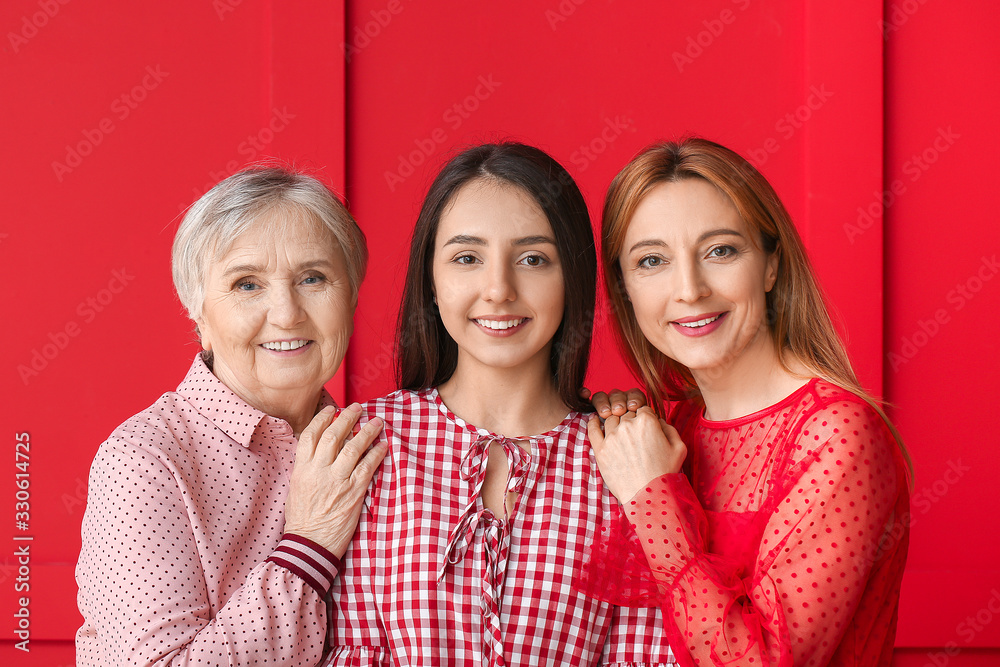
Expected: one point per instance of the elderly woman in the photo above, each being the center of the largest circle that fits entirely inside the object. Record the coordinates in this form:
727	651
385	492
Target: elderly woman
216	517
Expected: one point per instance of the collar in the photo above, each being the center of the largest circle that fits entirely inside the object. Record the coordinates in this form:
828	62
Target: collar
220	405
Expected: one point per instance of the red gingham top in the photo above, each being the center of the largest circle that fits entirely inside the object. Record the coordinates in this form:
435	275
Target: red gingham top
434	578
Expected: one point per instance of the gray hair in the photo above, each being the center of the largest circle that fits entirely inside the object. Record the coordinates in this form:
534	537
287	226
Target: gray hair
233	206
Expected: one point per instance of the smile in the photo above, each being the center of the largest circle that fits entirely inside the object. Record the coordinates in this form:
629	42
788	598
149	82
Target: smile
500	325
700	327
700	323
285	345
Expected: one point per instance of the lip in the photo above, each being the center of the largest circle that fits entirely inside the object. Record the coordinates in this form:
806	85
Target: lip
289	353
500	333
702	330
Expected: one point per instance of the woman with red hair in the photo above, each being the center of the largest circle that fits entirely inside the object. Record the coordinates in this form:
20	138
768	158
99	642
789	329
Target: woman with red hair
765	503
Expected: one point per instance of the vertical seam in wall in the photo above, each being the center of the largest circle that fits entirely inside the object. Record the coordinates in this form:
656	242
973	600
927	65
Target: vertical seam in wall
348	153
886	375
269	101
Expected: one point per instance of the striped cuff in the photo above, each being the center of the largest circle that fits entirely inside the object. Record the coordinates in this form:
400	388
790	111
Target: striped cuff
307	559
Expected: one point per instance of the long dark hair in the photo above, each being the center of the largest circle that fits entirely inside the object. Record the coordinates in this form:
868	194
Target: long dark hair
426	355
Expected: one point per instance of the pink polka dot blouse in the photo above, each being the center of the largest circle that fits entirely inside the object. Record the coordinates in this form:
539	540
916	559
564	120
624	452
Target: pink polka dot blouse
183	559
784	544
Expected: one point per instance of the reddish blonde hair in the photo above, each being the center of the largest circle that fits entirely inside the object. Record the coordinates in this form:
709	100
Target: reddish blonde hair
798	320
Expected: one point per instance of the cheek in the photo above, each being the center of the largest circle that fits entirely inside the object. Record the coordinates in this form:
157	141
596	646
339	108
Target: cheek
647	301
234	327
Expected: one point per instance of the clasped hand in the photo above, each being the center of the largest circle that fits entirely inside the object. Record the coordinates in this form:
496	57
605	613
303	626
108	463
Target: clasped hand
633	447
331	476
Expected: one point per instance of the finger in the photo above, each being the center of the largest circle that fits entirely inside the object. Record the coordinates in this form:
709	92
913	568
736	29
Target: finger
602	405
336	434
619	402
646	411
611	425
672	435
635	398
353	449
596	434
585	394
305	449
365	470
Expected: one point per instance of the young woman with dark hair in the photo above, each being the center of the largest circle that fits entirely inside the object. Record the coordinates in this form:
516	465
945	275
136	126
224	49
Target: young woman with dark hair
769	519
479	518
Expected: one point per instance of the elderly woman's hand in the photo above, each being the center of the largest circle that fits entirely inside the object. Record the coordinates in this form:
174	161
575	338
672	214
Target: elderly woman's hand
330	477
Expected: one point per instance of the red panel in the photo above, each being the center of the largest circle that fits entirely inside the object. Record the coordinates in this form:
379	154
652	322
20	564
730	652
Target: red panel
844	76
593	84
942	291
116	117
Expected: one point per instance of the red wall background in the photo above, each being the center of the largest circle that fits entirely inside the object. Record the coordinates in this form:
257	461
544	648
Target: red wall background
874	121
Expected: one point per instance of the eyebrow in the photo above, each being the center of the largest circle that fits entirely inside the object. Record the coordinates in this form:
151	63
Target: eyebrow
465	239
254	268
656	243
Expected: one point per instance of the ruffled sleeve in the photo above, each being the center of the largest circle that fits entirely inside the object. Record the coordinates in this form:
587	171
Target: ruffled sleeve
826	534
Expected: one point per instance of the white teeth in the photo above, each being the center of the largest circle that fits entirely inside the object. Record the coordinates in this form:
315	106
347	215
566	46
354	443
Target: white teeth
500	325
285	345
700	323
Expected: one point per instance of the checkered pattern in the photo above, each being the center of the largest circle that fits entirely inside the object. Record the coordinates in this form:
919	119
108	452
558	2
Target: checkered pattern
435	578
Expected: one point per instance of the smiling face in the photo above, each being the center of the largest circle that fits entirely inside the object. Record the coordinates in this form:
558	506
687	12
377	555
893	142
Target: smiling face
697	279
498	281
278	312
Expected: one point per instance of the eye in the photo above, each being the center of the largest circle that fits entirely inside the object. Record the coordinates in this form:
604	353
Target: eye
246	285
534	260
722	252
466	260
314	279
650	261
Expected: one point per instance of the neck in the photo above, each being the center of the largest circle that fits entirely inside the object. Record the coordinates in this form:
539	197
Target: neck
508	401
754	380
294	406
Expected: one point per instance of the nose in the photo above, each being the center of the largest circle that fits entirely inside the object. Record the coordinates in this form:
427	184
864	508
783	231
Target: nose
499	285
690	285
285	308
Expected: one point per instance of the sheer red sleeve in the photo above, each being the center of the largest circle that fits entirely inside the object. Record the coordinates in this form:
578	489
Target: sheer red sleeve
826	552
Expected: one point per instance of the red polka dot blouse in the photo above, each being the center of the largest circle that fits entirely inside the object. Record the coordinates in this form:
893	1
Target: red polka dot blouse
787	545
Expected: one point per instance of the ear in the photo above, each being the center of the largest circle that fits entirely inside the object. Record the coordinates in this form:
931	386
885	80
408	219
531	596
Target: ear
202	331
771	269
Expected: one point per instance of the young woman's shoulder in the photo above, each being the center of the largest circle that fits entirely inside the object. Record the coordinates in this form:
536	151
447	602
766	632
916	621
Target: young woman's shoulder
402	403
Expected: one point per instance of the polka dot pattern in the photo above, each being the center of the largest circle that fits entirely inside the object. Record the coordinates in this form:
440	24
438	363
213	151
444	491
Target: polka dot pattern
787	545
183	559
